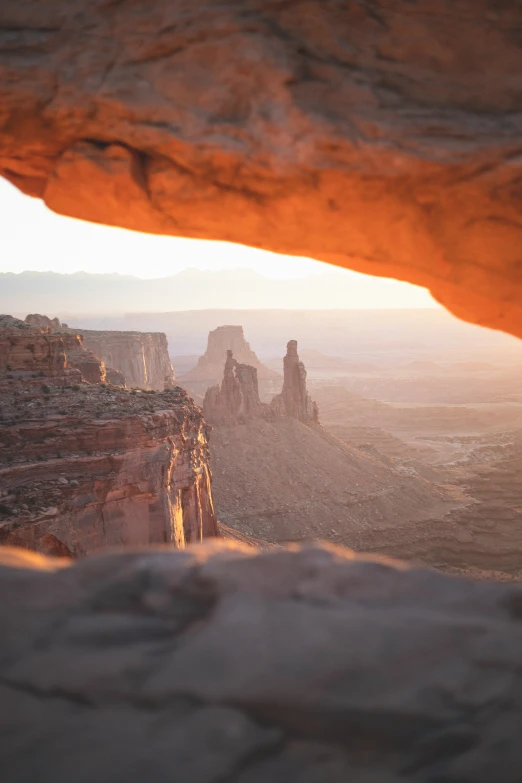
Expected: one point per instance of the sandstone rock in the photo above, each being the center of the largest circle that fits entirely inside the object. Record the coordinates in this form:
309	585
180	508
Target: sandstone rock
237	399
139	461
31	350
220	341
226	663
90	366
35	319
115	377
140	359
379	135
141	473
294	400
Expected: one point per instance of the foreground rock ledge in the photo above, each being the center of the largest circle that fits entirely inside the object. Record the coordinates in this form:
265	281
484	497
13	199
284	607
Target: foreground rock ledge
218	663
381	135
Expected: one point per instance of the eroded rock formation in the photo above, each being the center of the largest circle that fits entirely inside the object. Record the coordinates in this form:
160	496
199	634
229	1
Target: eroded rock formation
381	135
91	367
32	351
115	377
236	400
221	341
136	359
226	663
141	357
35	319
294	400
84	466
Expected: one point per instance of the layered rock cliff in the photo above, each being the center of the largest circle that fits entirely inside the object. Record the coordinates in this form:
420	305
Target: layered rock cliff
141	357
209	367
84	466
29	351
136	359
91	367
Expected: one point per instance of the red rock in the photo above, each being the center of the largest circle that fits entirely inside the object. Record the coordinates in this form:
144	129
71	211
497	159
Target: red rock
294	400
380	136
32	350
236	400
221	342
92	369
96	465
141	358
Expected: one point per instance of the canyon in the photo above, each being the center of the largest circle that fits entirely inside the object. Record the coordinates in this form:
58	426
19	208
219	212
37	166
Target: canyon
87	465
279	476
135	359
309	123
428	482
382	136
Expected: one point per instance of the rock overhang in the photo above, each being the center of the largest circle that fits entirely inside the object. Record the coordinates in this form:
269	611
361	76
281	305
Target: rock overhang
379	136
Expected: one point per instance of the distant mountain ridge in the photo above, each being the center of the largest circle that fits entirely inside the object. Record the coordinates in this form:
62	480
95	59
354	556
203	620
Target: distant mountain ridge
191	289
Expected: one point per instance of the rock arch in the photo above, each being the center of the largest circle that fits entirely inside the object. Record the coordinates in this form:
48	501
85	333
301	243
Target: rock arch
380	135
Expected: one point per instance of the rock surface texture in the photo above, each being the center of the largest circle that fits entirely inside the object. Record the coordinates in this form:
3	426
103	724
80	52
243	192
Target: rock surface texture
220	663
138	359
84	466
221	342
92	368
381	135
32	351
142	358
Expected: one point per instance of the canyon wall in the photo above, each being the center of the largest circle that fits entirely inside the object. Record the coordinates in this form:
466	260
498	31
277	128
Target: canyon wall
141	357
92	368
77	356
136	359
85	466
32	350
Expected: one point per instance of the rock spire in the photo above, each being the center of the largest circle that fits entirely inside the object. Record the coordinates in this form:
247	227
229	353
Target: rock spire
294	400
236	400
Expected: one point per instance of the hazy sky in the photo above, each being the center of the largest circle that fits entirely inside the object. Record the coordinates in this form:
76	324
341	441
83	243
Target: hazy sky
35	239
